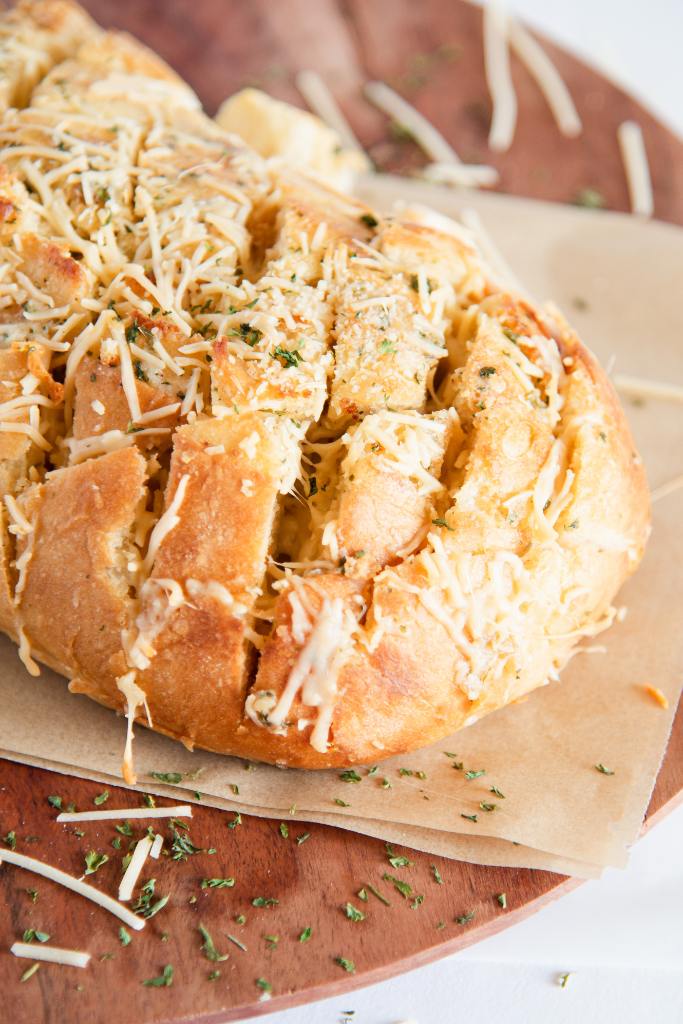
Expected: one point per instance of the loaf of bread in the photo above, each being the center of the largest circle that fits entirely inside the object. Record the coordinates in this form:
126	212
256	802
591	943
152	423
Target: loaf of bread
282	477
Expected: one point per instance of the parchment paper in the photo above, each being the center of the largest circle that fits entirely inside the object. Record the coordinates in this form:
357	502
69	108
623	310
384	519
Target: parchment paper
618	280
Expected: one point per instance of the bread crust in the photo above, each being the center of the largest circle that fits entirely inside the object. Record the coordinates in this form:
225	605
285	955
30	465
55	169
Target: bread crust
384	497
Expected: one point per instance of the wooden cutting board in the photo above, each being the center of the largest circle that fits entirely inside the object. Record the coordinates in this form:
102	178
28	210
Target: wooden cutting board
432	53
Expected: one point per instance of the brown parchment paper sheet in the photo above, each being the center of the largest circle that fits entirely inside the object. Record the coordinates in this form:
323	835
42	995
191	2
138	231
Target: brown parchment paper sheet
618	279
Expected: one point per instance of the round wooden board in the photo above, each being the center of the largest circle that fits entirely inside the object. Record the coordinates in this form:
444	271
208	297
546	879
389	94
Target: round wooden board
432	52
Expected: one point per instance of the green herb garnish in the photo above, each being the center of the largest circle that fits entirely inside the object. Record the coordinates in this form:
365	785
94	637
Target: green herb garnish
218	883
171	777
590	198
396	860
164	980
347	965
288	357
101	799
403	888
208	948
353	913
94	861
264	901
443	523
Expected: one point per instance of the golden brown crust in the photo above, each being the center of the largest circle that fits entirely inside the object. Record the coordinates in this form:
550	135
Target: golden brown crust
388	498
75	600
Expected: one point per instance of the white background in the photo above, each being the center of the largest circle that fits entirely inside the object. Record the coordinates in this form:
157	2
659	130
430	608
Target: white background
621	937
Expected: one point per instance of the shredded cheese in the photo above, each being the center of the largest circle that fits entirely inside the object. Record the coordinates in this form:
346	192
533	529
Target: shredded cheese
134	869
50	954
636	167
157	846
167	523
640	388
180	811
39	867
466	175
548	78
316	670
670	487
498	77
321	101
404	114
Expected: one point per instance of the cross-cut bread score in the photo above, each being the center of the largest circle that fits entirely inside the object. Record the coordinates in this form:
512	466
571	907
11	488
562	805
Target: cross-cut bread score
282	476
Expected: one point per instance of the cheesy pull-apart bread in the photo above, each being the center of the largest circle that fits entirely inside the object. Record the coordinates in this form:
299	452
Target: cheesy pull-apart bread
282	477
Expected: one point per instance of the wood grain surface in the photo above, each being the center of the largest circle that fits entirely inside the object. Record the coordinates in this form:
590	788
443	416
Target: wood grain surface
432	53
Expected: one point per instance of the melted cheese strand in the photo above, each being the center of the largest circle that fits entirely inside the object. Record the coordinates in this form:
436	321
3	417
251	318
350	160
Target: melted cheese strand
135	698
636	167
50	954
316	670
134	869
168	522
39	867
498	77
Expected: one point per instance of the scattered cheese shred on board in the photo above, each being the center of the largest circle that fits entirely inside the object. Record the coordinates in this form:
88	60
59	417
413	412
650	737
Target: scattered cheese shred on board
134	869
467	175
321	101
503	273
404	114
181	811
670	487
637	168
548	79
498	78
157	846
39	867
641	388
52	954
